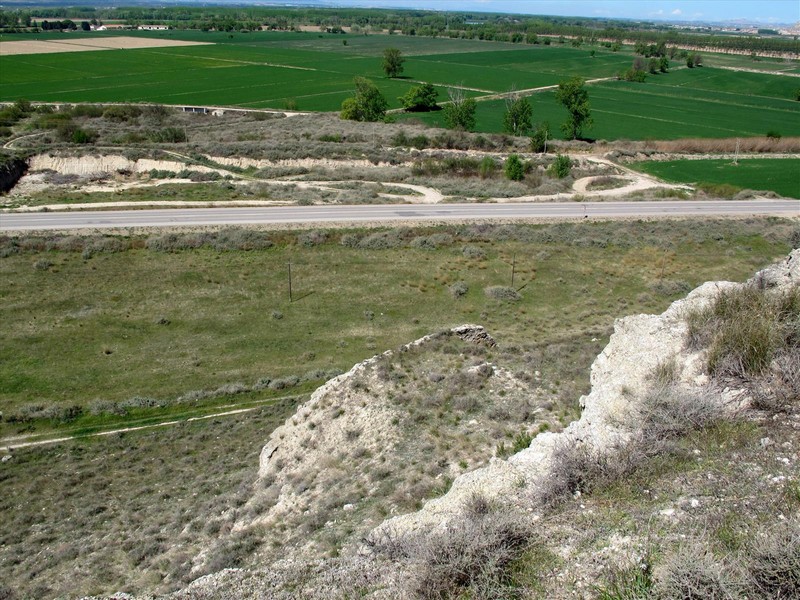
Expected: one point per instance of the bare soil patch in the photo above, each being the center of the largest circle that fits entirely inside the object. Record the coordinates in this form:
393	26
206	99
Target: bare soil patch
87	44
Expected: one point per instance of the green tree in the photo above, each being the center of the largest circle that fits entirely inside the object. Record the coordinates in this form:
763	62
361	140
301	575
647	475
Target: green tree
393	62
368	104
514	168
460	112
517	118
573	95
421	98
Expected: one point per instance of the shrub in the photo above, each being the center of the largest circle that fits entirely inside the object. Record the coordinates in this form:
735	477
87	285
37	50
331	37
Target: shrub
472	558
773	134
91	111
744	328
500	292
312	238
122	113
521	441
487	167
514	168
432	242
473	252
779	390
669	287
632	583
773	561
561	166
458	289
665	415
719	190
539	137
694	573
169	135
42	264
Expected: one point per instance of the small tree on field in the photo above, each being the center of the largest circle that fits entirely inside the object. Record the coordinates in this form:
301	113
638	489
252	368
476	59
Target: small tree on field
368	104
514	168
460	112
573	95
420	99
517	118
663	64
693	60
393	62
539	137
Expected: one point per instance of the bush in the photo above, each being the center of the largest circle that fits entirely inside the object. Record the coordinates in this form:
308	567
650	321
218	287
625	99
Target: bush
514	168
561	166
744	328
122	113
540	136
473	252
521	441
169	135
473	557
500	292
487	167
91	111
432	242
458	289
773	561
665	415
694	573
779	390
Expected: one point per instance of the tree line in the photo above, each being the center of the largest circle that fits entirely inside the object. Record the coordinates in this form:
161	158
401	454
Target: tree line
485	26
369	104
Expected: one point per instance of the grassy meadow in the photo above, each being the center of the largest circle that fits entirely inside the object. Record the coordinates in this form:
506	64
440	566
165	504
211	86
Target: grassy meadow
84	329
778	175
315	73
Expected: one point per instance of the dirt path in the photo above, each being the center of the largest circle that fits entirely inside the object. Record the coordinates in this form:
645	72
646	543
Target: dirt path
15	446
634	182
747	70
8	444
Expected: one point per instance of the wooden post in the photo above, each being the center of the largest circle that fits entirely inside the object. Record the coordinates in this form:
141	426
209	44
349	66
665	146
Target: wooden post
513	269
290	281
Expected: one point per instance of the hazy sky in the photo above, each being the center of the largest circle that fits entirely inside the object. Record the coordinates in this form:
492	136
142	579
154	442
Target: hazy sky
766	11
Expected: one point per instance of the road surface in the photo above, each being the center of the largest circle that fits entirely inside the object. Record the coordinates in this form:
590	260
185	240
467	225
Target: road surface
388	213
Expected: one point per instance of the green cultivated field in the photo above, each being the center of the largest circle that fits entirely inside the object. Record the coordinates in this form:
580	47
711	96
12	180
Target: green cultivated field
778	175
682	104
264	70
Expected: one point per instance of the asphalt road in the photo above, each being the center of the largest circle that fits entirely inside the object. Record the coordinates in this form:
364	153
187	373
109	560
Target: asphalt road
389	213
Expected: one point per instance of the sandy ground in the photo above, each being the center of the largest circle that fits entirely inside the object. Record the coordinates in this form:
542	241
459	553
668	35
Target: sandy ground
88	44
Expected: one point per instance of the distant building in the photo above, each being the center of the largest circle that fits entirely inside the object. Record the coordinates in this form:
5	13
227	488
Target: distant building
153	27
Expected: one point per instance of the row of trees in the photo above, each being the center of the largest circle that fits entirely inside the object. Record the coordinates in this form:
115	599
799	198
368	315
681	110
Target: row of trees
368	104
498	27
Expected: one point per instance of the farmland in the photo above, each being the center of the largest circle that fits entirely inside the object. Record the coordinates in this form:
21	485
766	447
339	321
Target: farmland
315	73
779	175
